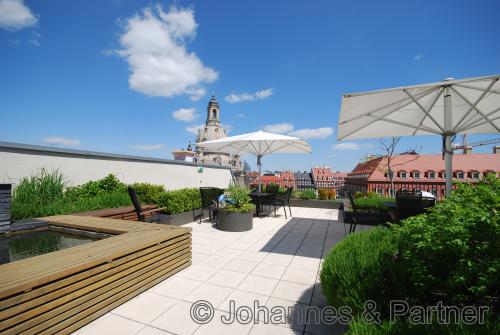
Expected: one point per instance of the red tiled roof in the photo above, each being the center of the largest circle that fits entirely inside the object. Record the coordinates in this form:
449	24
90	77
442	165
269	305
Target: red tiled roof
376	168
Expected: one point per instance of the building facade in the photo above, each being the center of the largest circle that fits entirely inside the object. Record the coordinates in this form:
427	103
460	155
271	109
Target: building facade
419	172
304	181
214	131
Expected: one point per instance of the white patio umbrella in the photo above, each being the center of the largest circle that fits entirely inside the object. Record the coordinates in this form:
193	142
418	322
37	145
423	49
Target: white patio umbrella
259	144
446	108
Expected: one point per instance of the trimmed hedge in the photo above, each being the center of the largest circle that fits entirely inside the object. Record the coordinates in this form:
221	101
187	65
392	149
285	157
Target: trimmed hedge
179	201
449	255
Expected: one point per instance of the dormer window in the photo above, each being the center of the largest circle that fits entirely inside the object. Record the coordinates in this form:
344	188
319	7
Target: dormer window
475	175
402	175
416	175
460	175
432	175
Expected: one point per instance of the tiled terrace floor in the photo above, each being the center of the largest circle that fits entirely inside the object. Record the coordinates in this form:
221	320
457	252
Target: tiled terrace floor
276	264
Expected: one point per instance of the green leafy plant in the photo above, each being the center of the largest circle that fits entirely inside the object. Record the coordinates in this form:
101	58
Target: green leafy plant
307	194
178	201
92	188
40	188
238	200
148	193
375	202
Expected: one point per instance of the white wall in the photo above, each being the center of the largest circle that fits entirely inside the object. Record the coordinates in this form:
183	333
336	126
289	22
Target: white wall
17	161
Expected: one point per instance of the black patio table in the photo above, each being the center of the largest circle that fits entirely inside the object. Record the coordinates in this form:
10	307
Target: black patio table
257	200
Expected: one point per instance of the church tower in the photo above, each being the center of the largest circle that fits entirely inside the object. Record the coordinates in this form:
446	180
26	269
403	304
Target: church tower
212	130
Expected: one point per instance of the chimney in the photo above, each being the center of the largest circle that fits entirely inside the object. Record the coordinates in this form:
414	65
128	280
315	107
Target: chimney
496	149
467	150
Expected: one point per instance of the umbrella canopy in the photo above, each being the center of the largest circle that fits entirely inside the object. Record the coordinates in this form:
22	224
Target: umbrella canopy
446	108
259	144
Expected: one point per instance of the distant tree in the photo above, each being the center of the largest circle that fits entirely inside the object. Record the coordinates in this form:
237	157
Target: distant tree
389	147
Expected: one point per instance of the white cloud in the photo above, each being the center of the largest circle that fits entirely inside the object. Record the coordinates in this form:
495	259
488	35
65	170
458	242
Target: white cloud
279	128
240	116
312	133
154	45
59	140
147	147
34	42
350	146
418	57
194	129
15	15
227	127
185	114
259	95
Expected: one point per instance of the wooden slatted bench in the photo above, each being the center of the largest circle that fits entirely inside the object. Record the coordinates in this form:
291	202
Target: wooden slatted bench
59	292
124	213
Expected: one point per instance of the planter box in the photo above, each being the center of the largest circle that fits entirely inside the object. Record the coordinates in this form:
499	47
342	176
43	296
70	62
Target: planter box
328	204
237	222
374	219
183	218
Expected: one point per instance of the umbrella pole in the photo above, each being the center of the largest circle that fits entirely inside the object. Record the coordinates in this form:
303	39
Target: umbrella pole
259	164
448	150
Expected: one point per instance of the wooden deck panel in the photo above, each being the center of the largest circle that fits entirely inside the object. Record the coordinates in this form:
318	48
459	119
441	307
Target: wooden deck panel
62	291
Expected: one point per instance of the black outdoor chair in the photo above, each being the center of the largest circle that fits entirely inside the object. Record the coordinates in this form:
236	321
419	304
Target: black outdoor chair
209	201
410	203
358	212
141	213
284	200
272	190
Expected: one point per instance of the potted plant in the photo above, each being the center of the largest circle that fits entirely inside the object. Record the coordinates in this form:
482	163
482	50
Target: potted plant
235	210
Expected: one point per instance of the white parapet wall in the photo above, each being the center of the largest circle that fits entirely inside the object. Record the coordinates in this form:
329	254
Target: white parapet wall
79	166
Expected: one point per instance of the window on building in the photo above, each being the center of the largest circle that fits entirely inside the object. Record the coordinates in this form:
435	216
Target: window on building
432	175
379	190
416	175
402	174
391	192
475	175
444	174
434	192
460	175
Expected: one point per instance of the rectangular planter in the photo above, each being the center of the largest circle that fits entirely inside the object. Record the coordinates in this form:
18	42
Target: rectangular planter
346	216
328	204
183	218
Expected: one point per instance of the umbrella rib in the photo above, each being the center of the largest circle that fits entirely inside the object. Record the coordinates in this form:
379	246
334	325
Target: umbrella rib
473	123
268	147
430	108
254	148
476	88
478	123
474	106
387	114
424	110
421	95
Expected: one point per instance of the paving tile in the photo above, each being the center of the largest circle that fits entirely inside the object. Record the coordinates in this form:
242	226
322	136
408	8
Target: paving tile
198	272
176	287
270	329
145	307
240	265
294	316
228	252
215	261
252	256
112	324
269	270
220	327
148	330
300	276
293	292
260	285
243	298
278	259
240	245
214	294
305	263
176	319
227	278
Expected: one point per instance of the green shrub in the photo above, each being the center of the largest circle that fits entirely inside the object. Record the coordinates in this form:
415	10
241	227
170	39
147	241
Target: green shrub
148	193
307	194
179	201
376	202
357	270
358	327
39	189
452	254
240	200
323	194
92	188
23	210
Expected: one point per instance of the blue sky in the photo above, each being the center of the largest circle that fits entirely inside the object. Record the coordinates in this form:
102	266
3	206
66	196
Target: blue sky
110	75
